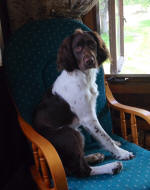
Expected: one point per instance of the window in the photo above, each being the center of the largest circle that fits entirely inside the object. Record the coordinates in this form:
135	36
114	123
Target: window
125	28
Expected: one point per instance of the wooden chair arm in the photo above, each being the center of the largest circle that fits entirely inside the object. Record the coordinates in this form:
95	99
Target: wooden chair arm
133	111
50	155
127	109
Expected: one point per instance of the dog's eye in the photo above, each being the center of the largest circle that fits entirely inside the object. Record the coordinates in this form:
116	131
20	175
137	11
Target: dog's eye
78	48
91	44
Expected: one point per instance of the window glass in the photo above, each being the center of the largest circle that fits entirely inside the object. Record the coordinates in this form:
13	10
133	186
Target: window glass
136	35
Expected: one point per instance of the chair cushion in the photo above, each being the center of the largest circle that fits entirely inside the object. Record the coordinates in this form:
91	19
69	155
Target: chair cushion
134	176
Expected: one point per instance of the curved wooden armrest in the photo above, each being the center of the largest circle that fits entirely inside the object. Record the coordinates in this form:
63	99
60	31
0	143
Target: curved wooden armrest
50	155
127	109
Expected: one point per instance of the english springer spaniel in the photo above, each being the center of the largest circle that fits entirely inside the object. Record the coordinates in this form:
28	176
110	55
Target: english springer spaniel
71	103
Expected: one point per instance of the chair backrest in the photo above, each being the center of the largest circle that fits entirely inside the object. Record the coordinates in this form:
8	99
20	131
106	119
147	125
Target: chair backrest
30	63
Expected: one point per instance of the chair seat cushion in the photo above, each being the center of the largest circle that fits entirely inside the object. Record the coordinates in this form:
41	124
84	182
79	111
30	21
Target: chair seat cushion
134	176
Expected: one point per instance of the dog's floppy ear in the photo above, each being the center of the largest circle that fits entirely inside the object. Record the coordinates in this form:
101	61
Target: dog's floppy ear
65	57
102	51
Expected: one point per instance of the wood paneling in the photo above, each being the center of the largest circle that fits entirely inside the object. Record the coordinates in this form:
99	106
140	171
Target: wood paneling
90	19
131	90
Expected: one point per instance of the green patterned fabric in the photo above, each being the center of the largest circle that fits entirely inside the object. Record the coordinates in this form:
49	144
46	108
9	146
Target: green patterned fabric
30	63
134	176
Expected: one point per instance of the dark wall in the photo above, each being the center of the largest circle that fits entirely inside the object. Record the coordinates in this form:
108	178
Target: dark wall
14	150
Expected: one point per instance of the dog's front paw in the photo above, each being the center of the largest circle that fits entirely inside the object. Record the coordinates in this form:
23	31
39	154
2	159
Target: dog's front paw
122	154
110	168
117	168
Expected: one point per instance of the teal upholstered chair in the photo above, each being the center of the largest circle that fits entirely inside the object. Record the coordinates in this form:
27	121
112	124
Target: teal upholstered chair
30	62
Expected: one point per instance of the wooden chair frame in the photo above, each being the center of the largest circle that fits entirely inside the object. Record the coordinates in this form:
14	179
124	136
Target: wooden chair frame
46	158
124	109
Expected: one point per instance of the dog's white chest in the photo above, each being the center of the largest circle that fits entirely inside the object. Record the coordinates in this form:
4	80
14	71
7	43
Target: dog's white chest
78	89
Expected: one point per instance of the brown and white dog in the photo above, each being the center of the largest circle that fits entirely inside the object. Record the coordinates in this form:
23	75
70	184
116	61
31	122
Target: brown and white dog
71	103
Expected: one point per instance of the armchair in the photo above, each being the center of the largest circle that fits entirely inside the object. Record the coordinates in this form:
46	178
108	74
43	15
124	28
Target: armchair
29	60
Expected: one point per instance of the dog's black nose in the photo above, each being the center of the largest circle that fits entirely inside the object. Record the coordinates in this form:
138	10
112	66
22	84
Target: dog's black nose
89	61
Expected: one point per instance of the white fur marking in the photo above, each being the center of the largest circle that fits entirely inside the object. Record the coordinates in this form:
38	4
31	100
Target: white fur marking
107	168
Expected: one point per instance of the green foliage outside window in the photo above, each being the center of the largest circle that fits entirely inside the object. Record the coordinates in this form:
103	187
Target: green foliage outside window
144	3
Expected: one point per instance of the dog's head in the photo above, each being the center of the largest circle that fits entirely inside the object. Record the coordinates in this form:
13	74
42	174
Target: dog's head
82	50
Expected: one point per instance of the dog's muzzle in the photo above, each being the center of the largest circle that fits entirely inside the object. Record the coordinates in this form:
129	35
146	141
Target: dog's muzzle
89	61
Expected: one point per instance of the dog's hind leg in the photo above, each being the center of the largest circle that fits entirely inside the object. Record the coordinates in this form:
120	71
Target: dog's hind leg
111	168
94	158
69	145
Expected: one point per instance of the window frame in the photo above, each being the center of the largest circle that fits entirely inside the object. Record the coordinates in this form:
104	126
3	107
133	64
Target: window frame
117	60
